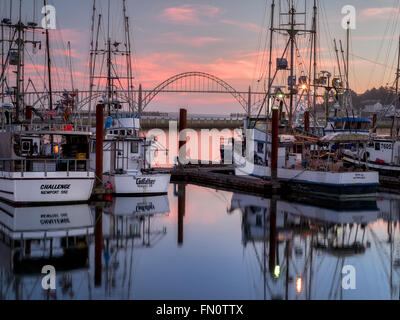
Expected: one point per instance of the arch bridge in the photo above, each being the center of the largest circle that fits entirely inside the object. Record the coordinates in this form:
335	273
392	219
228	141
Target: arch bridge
139	99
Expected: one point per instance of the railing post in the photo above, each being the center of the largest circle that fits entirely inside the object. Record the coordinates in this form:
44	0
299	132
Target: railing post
68	168
45	168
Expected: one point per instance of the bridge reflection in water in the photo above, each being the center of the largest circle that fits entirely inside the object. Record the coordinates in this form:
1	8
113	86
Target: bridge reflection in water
199	243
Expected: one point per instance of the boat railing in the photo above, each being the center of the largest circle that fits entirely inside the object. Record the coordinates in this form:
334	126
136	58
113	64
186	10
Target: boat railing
45	165
57	127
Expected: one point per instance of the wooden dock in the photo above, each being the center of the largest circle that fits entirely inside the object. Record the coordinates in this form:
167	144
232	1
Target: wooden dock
221	177
389	184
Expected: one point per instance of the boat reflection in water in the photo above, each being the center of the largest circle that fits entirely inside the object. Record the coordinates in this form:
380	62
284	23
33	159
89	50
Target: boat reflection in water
126	226
130	217
199	243
301	249
32	237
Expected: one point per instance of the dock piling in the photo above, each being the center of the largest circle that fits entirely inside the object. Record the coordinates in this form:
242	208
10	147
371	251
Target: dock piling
275	142
182	140
99	144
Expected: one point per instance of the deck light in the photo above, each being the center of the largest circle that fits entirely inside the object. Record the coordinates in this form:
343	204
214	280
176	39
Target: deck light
277	271
299	284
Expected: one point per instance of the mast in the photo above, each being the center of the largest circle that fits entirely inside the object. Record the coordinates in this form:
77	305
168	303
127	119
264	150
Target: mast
347	62
315	65
70	65
269	73
128	55
20	80
91	70
109	82
270	55
48	60
396	106
292	34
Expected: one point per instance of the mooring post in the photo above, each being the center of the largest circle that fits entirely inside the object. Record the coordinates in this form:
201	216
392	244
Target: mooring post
99	144
272	236
181	211
182	139
98	245
275	142
307	121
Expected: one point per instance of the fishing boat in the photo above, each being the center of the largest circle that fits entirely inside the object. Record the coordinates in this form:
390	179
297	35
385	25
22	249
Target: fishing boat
127	155
300	160
381	153
127	158
44	154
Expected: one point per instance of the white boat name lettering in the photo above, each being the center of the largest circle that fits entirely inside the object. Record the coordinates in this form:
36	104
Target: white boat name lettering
145	181
54	218
142	207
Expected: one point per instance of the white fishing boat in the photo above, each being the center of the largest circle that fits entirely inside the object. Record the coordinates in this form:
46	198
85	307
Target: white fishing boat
380	154
127	160
321	179
299	159
40	164
43	151
127	155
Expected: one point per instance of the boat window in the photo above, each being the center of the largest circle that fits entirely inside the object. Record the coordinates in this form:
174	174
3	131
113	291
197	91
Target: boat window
260	147
371	144
258	220
122	132
377	146
26	146
134	147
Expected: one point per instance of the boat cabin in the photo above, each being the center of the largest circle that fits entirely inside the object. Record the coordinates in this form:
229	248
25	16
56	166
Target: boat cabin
49	149
348	124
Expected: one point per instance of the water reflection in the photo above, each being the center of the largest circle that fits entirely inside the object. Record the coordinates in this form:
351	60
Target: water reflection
199	243
32	237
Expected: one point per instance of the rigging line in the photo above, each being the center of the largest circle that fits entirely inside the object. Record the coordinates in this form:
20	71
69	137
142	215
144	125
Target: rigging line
390	46
260	36
381	43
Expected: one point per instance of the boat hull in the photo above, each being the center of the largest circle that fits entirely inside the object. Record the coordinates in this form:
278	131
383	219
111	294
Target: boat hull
338	185
56	187
133	184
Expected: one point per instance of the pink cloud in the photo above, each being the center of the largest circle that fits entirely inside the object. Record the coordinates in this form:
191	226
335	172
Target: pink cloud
189	13
190	41
243	25
378	13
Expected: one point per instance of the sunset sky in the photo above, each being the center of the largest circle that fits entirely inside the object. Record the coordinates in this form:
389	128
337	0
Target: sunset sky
225	38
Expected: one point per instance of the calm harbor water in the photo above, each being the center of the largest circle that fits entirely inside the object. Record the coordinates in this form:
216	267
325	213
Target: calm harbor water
199	243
